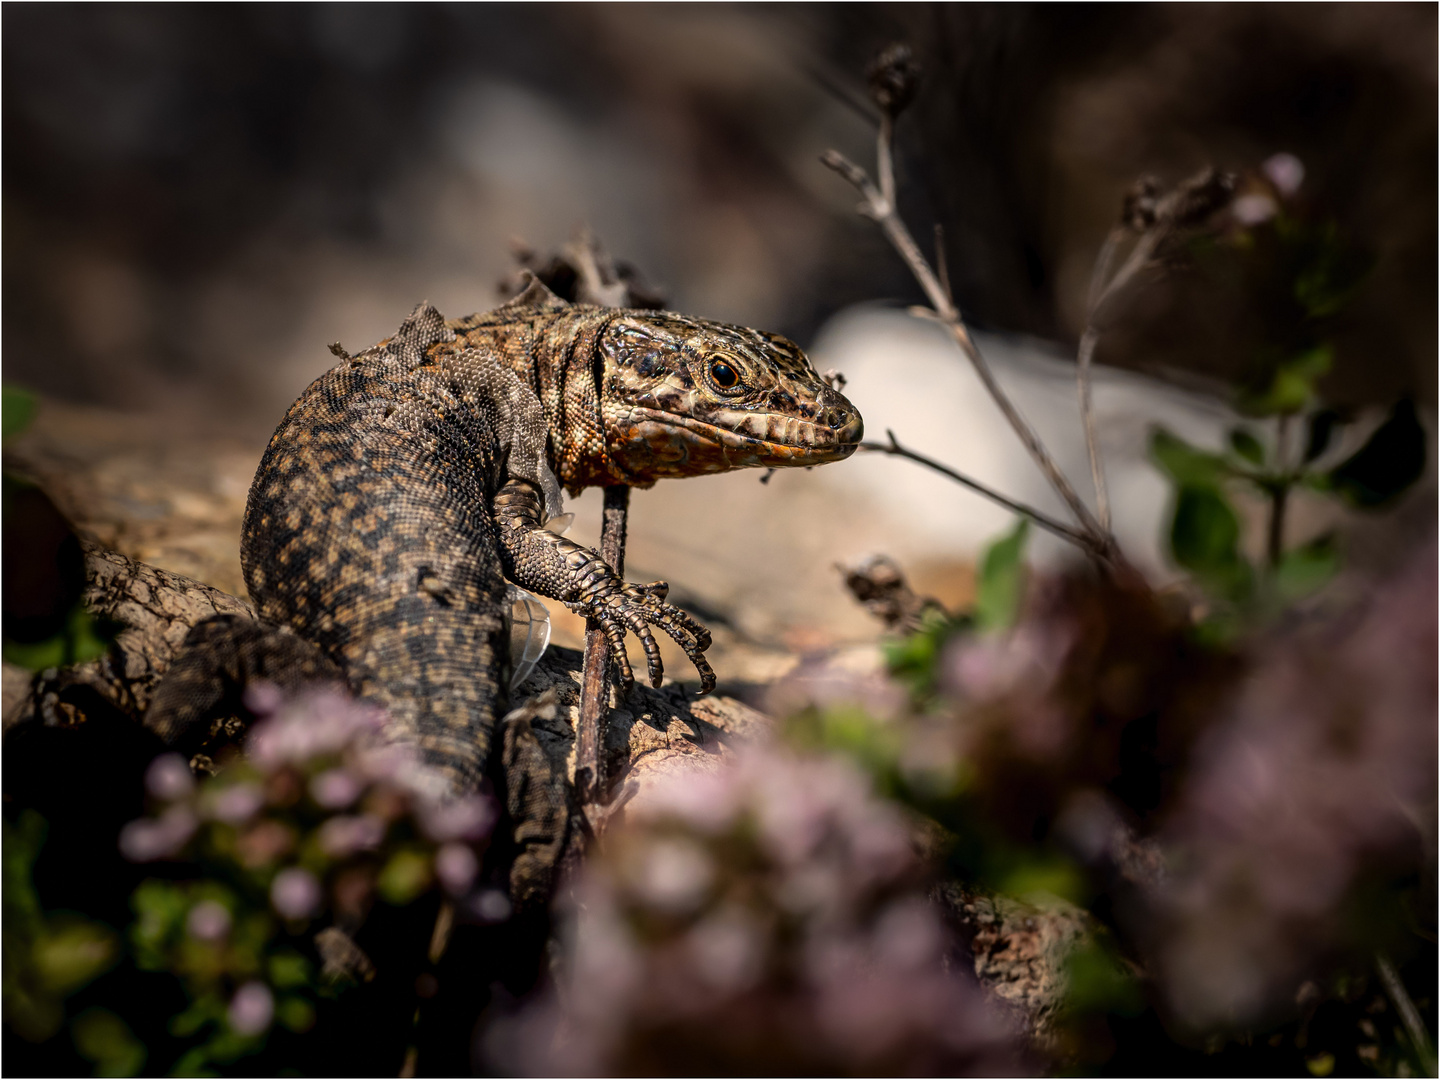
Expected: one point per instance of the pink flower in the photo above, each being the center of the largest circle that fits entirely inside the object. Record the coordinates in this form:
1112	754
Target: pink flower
344	835
335	789
263	698
235	803
149	839
673	875
251	1009
456	867
209	920
1285	171
295	893
169	778
1254	209
469	817
490	906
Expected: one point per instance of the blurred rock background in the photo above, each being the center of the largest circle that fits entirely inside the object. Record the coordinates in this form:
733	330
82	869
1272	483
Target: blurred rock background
198	198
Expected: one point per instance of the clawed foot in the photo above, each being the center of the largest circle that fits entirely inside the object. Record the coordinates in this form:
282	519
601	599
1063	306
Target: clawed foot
637	608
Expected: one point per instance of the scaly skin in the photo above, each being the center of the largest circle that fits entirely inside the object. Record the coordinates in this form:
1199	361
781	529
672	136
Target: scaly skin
409	481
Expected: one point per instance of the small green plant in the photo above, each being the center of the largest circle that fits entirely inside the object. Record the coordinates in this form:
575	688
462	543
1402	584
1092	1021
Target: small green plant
50	955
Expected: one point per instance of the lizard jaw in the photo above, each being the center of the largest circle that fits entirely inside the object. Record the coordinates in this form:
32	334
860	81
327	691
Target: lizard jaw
655	443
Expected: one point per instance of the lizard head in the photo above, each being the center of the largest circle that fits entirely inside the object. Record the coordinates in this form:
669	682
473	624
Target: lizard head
685	397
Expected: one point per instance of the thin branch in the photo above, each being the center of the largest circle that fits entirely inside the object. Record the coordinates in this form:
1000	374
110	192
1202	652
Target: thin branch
880	210
1156	222
1138	259
876	206
1409	1014
1088	341
885	159
1080	539
942	264
598	281
1101	272
595	680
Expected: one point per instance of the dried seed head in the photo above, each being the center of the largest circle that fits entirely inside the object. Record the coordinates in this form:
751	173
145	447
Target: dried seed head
894	76
1138	210
1199	197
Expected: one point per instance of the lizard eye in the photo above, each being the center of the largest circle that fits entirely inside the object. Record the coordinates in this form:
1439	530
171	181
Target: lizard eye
724	376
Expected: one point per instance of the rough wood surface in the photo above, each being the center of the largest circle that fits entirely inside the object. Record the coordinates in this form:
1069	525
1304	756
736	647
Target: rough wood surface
648	732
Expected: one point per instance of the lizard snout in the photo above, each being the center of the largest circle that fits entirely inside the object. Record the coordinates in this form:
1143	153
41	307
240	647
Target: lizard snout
841	417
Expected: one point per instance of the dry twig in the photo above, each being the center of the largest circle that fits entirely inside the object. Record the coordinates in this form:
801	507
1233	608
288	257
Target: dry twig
1154	219
1045	521
892	85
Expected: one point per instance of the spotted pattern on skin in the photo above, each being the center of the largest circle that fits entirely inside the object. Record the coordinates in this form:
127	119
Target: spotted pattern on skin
410	480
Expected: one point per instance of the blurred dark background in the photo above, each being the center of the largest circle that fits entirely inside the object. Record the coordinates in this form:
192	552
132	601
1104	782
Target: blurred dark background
197	198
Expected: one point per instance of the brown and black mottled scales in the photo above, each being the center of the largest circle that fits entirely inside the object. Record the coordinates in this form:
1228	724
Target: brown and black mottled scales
410	481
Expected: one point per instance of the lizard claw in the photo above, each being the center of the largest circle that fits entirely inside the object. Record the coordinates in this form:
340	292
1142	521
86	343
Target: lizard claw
637	608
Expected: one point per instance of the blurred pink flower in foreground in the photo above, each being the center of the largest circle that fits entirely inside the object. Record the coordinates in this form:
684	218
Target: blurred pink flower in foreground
767	917
252	1008
1324	773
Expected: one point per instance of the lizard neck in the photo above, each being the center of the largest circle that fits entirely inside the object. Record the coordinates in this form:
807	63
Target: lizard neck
566	369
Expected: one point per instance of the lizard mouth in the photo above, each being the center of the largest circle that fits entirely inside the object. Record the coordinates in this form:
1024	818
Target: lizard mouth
665	444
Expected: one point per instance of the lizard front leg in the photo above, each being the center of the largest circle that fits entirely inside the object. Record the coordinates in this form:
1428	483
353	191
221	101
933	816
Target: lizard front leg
544	562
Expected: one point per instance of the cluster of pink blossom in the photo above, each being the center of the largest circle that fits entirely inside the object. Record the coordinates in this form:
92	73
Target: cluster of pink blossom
1321	776
321	818
1232	805
1100	688
769	916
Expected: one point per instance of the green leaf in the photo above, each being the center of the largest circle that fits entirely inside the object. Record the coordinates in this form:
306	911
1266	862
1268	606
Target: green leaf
209	1008
1330	271
288	969
911	659
1205	533
1001	585
1039	877
161	908
1307	568
1292	384
72	954
295	1013
404	877
84	638
1247	446
105	1039
1097	981
22	842
17	409
1391	460
1186	464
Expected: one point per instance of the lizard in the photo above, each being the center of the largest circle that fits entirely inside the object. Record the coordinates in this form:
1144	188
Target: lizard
410	481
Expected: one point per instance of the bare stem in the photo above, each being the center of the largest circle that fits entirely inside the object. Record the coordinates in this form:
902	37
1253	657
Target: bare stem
1279	495
595	682
1409	1014
1088	341
1101	272
885	158
598	282
942	264
1137	260
1080	539
882	210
